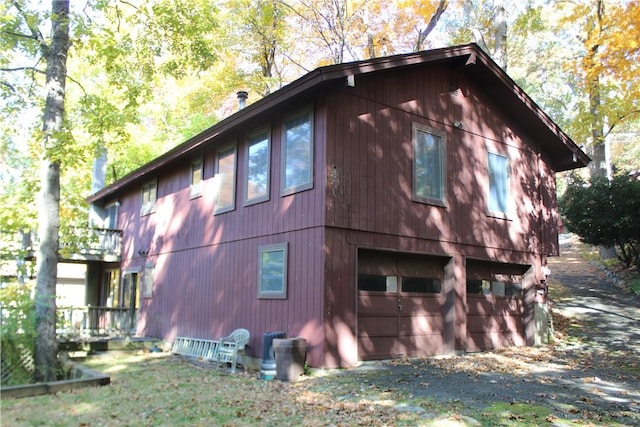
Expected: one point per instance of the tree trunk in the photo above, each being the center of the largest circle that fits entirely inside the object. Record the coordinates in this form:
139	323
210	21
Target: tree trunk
46	347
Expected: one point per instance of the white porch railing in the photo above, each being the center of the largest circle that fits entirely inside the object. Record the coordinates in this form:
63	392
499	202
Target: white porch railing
96	321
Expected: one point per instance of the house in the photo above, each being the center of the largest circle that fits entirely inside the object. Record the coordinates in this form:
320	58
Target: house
391	207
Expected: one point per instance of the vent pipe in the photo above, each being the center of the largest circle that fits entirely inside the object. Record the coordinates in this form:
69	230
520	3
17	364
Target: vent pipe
242	99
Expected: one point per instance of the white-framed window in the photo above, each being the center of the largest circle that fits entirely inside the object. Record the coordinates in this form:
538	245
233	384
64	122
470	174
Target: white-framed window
149	196
225	180
257	180
272	271
147	288
195	189
498	191
297	153
429	166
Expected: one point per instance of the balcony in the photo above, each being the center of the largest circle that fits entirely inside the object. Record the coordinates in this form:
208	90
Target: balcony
76	244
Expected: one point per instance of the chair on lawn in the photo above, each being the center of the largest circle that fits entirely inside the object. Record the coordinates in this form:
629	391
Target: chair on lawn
230	347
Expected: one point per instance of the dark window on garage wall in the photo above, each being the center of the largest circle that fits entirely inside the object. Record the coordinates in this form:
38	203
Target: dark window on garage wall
423	285
495	279
380	271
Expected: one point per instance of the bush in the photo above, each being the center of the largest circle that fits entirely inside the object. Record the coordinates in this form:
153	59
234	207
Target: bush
17	334
607	214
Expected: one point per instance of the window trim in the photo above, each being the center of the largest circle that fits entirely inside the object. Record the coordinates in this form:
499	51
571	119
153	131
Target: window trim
417	127
266	131
232	147
147	280
285	191
195	190
281	294
149	207
496	213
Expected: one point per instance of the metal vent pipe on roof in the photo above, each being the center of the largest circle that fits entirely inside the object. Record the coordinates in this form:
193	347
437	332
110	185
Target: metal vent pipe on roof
242	99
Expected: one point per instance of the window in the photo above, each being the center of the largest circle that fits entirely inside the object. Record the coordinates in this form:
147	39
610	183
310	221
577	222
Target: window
377	283
498	171
225	180
258	157
147	290
272	271
196	179
297	160
428	166
497	288
149	195
422	285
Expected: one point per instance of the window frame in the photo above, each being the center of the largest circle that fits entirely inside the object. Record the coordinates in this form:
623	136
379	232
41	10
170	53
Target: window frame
149	206
147	280
285	191
497	213
228	148
252	139
442	201
277	247
195	188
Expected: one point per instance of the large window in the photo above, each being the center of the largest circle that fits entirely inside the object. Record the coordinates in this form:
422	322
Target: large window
297	160
196	178
428	166
225	180
257	179
149	195
498	171
272	271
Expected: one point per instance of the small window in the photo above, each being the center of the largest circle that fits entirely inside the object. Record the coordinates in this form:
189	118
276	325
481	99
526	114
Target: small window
297	160
196	179
258	158
272	271
422	285
149	195
497	288
377	283
428	166
498	171
147	290
225	180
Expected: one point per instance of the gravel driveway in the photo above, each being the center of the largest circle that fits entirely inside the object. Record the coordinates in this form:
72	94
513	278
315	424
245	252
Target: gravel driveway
591	374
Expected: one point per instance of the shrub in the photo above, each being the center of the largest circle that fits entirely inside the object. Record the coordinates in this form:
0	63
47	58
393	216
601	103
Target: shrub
17	333
605	213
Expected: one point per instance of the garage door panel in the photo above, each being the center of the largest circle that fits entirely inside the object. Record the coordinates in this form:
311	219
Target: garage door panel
377	326
489	324
420	305
421	324
491	307
478	341
377	304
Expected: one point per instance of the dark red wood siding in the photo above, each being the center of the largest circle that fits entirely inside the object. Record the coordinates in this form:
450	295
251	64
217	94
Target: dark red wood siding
369	186
205	274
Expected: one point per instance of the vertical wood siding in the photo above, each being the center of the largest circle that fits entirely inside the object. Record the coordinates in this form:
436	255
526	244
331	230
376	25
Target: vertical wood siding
205	279
369	163
206	266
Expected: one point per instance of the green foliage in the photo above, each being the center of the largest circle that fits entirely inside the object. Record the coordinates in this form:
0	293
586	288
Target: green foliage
604	213
18	333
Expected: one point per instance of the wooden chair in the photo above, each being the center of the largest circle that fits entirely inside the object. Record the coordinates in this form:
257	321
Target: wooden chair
230	347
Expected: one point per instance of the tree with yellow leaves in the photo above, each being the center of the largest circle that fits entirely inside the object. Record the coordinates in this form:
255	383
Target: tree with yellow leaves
608	66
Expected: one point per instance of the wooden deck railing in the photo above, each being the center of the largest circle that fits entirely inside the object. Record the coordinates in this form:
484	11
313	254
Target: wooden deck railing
93	321
96	242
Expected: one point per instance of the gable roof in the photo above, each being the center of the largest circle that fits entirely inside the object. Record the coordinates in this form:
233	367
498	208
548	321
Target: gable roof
470	59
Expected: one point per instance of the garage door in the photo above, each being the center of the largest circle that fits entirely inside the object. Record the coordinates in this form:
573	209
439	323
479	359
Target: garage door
400	302
495	307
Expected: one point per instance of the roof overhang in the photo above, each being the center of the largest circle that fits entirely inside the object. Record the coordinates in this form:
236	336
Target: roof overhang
470	59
